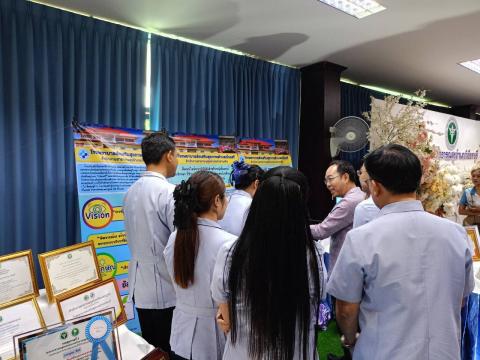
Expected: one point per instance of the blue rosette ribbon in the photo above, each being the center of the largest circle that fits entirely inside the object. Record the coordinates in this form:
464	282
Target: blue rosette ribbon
99	341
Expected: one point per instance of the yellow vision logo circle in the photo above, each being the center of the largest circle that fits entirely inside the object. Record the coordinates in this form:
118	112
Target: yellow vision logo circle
97	213
108	265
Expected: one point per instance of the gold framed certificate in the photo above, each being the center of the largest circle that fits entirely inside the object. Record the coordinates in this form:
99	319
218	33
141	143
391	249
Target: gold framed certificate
69	268
97	297
472	232
17	317
17	277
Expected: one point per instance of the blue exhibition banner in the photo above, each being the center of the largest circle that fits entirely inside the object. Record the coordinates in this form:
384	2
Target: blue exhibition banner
108	162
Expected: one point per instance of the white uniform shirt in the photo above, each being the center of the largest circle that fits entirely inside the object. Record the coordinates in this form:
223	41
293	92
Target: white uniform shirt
365	212
409	270
148	208
237	212
195	334
221	293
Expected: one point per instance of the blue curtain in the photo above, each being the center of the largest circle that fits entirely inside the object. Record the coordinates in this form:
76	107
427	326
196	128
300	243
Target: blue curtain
356	100
56	66
201	90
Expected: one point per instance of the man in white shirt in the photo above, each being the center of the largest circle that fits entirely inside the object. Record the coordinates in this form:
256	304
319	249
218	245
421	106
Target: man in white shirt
148	208
366	211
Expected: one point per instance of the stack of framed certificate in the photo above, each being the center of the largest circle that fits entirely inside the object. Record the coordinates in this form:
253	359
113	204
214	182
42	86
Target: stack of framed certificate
72	279
19	311
17	317
97	297
69	268
17	277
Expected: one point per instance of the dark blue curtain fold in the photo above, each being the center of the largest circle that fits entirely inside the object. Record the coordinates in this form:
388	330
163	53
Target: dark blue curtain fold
202	90
56	66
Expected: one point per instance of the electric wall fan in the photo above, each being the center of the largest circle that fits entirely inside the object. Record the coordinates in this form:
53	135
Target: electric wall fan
349	134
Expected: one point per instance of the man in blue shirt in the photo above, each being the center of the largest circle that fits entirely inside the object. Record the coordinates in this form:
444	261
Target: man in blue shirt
366	211
148	208
401	278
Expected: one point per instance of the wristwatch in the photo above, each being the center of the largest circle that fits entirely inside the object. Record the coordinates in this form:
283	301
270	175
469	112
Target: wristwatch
348	346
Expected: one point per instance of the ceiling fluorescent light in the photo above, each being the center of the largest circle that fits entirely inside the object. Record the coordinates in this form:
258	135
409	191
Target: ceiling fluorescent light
356	8
473	65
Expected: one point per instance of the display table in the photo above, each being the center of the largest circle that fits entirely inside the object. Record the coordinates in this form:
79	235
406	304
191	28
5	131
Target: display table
133	347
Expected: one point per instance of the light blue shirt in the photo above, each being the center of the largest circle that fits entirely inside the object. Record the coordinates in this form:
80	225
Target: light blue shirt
409	270
221	293
195	334
365	212
148	208
470	197
237	212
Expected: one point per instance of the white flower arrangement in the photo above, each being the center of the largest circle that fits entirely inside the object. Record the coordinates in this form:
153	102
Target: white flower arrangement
441	185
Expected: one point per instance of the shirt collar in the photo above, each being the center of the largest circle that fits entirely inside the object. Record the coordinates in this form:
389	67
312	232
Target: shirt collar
473	191
154	173
352	191
402	206
242	193
208	222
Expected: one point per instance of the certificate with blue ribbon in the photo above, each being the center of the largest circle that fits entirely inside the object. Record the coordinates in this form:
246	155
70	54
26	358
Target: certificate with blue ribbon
92	337
98	330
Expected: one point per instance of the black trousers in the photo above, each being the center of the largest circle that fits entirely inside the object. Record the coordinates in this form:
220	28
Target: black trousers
176	357
156	325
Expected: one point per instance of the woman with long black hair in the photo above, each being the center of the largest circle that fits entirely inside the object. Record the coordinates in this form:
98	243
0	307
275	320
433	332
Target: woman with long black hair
245	178
270	281
190	257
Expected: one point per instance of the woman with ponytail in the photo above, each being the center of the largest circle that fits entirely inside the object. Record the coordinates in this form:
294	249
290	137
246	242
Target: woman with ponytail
246	179
270	281
190	257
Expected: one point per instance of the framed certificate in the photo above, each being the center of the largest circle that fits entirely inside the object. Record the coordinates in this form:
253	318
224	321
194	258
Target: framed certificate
17	317
472	232
89	337
69	268
17	277
98	297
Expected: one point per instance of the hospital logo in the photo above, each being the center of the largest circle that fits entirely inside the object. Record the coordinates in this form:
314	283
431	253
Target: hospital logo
84	154
108	265
451	133
97	213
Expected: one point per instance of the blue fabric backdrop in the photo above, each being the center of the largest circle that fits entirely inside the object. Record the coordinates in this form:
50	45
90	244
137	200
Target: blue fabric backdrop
55	66
202	90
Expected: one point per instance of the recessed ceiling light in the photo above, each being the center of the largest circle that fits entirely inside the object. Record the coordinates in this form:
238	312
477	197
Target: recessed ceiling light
357	8
473	65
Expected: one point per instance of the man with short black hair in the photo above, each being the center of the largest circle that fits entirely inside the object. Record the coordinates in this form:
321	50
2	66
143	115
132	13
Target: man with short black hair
366	211
401	278
148	208
340	181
